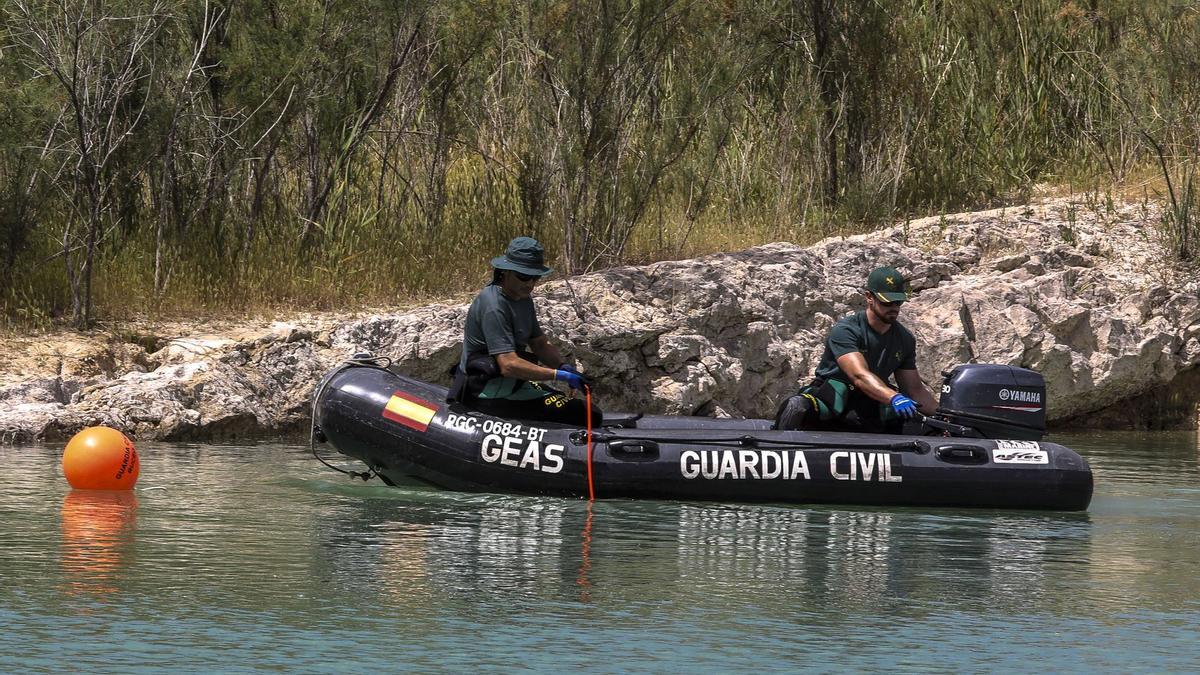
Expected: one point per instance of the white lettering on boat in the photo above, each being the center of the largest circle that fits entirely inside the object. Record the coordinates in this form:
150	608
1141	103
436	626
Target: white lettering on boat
520	448
497	427
1019	452
864	466
743	464
467	423
1020	396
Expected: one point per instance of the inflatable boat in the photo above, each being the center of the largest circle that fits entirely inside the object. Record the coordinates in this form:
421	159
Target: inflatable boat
984	448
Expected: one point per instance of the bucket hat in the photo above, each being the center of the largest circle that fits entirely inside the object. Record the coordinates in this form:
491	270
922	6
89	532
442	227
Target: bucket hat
524	255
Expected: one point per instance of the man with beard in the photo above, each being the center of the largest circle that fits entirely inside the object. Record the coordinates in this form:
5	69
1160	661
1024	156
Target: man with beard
851	388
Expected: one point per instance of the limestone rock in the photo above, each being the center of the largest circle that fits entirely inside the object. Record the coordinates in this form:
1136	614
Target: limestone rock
1083	296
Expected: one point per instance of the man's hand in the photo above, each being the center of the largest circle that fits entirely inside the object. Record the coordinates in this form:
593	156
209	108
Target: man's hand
567	373
904	406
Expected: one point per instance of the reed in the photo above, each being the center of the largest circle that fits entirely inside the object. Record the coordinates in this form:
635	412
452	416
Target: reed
302	157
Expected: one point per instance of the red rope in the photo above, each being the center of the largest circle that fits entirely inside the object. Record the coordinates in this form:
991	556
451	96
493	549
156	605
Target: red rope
587	392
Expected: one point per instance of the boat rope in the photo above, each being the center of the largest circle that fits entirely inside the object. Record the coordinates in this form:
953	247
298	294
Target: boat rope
587	394
357	361
749	441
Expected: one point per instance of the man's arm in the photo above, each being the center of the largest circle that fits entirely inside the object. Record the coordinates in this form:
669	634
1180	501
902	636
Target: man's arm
546	352
912	386
512	365
854	365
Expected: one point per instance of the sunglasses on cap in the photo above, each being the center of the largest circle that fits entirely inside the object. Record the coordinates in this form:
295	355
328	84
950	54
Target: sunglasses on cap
884	303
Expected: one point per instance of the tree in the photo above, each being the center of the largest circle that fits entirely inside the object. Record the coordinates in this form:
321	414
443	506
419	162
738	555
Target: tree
102	61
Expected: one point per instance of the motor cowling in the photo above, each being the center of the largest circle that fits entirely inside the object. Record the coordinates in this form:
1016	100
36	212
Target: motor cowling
997	401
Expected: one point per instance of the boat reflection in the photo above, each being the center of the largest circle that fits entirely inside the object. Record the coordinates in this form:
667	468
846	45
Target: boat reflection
516	547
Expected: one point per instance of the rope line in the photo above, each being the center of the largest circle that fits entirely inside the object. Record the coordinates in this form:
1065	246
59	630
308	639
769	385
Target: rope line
359	360
587	392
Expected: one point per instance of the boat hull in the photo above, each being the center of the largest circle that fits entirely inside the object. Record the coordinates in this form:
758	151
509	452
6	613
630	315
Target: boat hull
402	429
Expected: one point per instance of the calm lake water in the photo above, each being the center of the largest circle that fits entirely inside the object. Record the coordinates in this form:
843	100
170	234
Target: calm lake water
256	558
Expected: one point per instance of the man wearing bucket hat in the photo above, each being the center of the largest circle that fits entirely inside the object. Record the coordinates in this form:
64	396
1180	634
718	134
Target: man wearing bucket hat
851	387
506	356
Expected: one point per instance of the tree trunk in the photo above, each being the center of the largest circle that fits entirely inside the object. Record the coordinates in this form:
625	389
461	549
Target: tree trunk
820	14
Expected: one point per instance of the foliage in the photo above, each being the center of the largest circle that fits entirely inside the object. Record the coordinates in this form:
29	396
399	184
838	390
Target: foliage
163	156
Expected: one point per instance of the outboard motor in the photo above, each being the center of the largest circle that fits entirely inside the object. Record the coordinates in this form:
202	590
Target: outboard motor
997	401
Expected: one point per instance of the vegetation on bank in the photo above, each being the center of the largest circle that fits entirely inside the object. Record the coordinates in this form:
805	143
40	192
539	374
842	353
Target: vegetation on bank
160	156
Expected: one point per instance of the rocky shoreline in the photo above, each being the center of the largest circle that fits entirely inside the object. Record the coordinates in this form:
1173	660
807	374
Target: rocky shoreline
1080	291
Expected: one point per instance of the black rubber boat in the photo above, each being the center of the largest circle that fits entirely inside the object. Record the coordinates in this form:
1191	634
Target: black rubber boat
403	429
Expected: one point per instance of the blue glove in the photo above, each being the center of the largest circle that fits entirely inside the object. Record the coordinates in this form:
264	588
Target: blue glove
904	406
573	379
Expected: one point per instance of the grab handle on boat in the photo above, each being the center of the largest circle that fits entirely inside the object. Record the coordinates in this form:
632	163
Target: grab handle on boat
961	453
631	448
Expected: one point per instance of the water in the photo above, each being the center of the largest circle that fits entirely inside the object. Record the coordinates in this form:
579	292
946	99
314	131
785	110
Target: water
257	558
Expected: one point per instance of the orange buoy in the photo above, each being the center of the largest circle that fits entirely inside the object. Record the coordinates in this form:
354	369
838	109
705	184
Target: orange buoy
100	458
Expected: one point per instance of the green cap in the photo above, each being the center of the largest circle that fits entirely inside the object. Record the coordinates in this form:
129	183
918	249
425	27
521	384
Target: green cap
888	284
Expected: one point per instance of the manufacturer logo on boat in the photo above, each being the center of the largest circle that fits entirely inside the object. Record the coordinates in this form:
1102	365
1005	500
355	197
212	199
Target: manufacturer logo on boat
1020	396
1019	452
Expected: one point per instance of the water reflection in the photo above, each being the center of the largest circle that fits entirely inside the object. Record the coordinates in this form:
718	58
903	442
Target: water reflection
704	554
97	534
585	557
860	557
256	555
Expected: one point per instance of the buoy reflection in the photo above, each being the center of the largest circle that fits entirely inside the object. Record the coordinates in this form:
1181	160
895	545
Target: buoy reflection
97	532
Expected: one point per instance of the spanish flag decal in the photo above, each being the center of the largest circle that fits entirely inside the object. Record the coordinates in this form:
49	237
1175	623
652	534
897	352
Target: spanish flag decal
410	411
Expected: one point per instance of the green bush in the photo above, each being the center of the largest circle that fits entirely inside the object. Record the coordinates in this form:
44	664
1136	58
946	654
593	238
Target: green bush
253	155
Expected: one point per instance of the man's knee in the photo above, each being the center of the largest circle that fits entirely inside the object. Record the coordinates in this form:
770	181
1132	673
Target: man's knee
794	411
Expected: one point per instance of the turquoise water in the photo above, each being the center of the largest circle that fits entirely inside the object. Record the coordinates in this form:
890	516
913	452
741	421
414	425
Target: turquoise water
257	558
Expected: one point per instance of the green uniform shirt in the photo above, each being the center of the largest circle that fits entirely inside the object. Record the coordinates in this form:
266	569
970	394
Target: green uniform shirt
885	353
497	324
